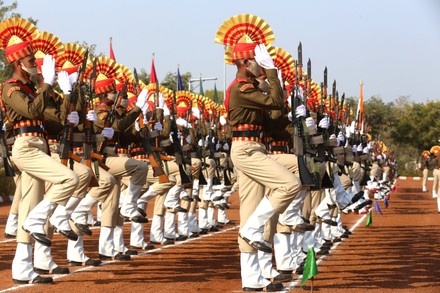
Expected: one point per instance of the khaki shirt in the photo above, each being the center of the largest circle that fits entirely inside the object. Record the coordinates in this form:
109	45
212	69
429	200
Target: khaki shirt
247	102
20	104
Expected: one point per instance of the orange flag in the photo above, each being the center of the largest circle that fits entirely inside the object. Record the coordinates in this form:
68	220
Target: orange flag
112	54
360	111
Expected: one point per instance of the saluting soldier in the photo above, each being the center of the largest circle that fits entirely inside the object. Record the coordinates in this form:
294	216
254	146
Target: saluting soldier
25	108
256	171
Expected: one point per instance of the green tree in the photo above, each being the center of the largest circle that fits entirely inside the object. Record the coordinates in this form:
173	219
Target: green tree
144	76
170	80
220	95
380	116
8	11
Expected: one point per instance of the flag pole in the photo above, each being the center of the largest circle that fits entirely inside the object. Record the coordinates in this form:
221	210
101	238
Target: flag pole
311	288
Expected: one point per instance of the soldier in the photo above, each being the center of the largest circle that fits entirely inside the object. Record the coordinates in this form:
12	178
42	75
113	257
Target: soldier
25	108
255	170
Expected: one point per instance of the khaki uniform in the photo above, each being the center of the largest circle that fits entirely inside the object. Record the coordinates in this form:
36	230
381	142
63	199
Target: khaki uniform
24	109
256	170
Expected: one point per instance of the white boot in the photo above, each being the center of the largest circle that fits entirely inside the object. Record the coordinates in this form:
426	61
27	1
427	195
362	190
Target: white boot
203	219
196	186
172	197
265	260
292	215
434	194
149	194
43	258
156	230
12	225
129	205
283	252
169	231
254	226
192	223
37	217
438	203
182	224
75	250
81	213
61	215
251	276
106	242
118	237
207	190
22	268
221	217
137	232
211	216
343	198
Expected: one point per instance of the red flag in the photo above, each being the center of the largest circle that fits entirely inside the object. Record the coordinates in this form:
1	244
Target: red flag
153	77
112	54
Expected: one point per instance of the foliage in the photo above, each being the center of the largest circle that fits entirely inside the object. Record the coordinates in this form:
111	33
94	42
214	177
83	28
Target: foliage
144	76
220	96
170	80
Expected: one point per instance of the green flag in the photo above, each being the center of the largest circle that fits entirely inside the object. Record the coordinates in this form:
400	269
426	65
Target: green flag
310	268
369	220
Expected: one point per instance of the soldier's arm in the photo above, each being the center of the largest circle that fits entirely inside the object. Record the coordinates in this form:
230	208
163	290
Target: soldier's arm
124	123
166	127
253	98
22	104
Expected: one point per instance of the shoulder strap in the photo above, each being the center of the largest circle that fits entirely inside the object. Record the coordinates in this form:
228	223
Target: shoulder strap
228	91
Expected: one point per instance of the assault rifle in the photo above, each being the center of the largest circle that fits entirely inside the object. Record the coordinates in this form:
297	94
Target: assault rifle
145	142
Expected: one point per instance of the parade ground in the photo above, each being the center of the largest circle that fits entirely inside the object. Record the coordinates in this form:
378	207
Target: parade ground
400	252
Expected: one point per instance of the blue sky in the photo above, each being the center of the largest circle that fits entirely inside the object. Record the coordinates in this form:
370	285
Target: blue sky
393	46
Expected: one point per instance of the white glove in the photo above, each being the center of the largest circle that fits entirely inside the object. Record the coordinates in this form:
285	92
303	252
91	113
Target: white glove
310	122
263	57
73	118
182	122
366	150
354	148
300	111
64	82
333	136
179	134
171	137
91	116
3	127
48	69
217	146
188	139
324	123
213	140
136	125
166	111
340	138
359	148
108	132
347	132
142	98
73	77
226	147
206	141
195	112
222	120
158	126
161	101
200	143
352	127
280	77
289	116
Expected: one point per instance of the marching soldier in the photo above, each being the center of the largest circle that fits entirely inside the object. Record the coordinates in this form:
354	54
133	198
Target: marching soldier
25	108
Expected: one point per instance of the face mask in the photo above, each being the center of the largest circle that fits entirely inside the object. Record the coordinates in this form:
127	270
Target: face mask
263	85
253	68
32	71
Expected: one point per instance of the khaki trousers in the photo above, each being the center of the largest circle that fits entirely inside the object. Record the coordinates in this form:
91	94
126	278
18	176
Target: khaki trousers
29	154
162	188
257	171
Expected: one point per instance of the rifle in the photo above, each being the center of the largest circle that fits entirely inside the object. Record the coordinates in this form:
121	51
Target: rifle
145	142
200	149
212	149
9	171
178	153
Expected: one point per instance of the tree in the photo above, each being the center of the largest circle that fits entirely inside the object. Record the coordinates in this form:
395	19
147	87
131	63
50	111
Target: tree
170	80
380	116
8	11
220	95
144	76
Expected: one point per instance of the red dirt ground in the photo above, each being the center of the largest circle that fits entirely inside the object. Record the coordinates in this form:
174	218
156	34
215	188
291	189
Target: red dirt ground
399	253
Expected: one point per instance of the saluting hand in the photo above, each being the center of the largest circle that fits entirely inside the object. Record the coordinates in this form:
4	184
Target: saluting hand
263	57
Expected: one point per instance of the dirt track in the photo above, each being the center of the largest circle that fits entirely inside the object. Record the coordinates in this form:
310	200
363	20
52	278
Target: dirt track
399	253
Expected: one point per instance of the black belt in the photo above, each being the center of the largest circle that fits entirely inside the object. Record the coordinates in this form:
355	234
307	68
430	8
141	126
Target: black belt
246	133
53	136
27	129
279	149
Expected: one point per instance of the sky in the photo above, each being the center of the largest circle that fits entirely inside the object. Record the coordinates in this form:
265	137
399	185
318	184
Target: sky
392	46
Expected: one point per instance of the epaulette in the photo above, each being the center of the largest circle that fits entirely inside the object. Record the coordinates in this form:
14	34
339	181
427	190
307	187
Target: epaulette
246	86
11	80
11	90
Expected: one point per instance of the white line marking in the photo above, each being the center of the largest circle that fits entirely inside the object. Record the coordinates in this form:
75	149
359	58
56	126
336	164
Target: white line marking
133	256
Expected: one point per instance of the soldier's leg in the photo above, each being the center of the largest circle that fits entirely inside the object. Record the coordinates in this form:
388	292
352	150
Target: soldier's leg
11	227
